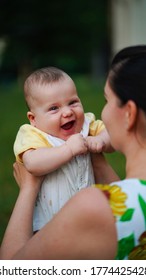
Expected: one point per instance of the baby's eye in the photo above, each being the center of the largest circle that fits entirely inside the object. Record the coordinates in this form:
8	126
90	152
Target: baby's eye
53	108
73	102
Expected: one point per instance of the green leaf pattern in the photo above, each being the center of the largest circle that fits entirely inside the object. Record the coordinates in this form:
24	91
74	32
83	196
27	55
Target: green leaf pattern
143	207
127	216
129	243
125	245
142	182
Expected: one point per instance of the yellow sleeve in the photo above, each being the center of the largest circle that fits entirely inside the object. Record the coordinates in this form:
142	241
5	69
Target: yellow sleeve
96	126
29	137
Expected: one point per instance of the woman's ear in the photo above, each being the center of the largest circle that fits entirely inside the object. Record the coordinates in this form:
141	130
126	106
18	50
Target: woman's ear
31	118
130	114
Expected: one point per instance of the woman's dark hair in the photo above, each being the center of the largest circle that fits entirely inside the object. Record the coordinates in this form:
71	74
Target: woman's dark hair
127	75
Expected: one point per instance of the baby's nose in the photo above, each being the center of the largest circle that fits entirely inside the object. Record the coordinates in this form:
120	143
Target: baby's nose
67	111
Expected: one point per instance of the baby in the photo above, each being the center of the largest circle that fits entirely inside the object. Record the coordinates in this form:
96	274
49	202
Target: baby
57	141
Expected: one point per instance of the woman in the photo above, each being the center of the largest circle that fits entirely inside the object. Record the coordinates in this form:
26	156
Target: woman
86	227
125	118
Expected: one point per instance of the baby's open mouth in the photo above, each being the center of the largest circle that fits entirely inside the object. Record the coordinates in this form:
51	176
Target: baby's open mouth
68	125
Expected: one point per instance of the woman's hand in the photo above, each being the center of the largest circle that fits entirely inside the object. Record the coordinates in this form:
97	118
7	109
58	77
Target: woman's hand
24	178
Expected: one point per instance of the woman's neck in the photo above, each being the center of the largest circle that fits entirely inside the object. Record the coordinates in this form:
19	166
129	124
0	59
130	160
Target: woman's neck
136	165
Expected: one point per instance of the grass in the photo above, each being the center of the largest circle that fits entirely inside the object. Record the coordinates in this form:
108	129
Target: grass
13	114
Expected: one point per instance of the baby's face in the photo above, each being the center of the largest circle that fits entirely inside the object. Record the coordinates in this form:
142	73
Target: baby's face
57	109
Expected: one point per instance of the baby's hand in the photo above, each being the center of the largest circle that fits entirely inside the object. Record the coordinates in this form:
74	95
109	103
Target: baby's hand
77	144
95	144
99	143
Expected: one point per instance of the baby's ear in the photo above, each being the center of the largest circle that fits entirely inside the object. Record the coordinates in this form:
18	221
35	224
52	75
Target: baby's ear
31	118
130	114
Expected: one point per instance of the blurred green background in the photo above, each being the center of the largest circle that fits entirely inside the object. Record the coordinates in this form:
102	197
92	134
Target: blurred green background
72	35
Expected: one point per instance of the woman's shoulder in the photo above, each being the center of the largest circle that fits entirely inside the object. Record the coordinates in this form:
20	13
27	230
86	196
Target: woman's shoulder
121	183
129	182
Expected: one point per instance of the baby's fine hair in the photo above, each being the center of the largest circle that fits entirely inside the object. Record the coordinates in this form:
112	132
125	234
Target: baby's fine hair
127	75
43	76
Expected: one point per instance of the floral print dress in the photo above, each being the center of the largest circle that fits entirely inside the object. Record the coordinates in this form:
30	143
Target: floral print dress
127	200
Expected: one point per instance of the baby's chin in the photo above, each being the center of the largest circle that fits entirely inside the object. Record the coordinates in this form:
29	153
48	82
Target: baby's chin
66	133
66	137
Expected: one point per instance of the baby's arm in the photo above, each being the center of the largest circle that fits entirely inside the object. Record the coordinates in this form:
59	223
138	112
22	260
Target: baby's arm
45	160
100	143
